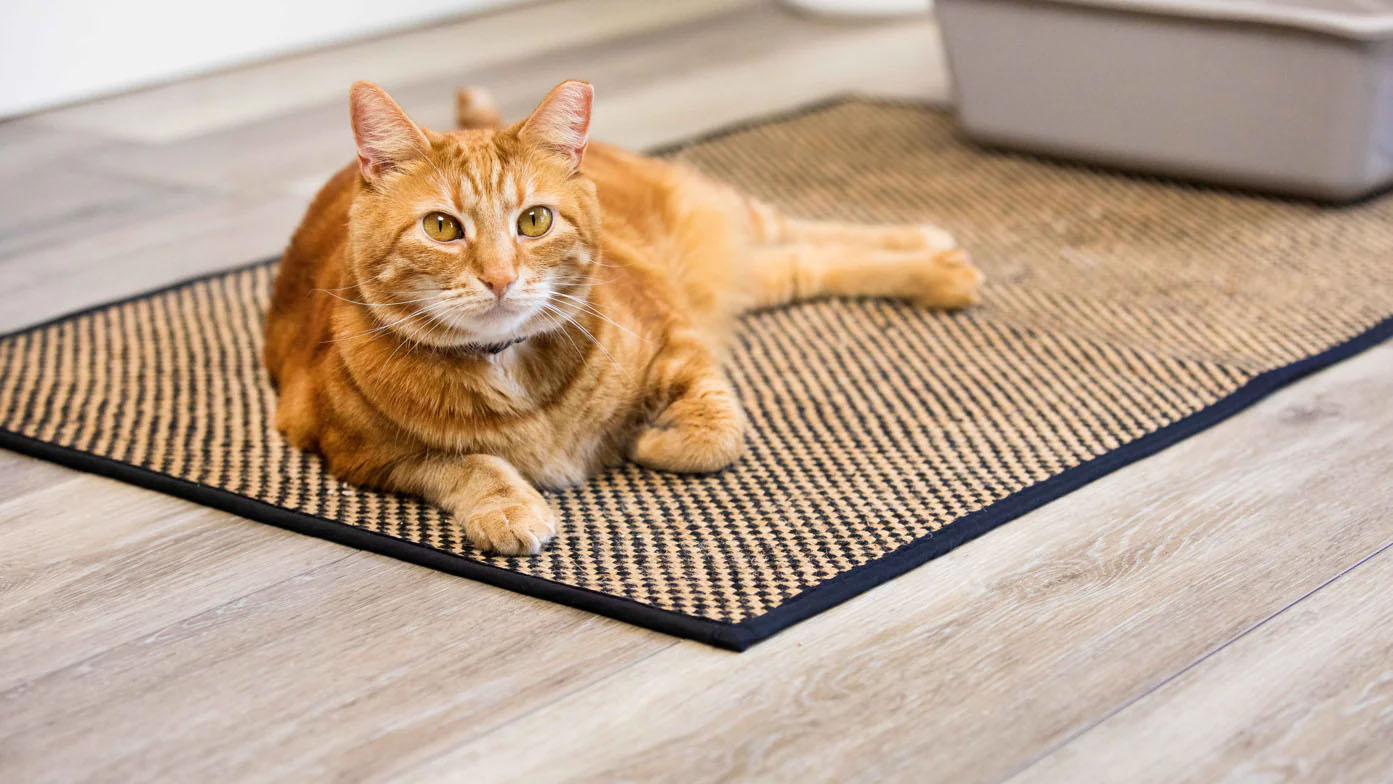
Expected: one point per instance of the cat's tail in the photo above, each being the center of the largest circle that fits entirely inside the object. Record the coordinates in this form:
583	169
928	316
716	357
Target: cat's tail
475	108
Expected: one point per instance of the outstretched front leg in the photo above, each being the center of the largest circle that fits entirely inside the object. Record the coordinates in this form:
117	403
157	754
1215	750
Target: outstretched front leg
498	510
697	424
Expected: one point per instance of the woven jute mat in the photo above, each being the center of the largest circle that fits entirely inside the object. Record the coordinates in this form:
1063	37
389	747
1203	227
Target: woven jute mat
1121	315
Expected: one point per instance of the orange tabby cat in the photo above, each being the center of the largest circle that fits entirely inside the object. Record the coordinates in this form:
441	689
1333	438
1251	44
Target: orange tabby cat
468	316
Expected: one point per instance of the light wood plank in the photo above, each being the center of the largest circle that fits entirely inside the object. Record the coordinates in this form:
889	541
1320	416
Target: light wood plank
1307	696
967	668
20	475
122	563
166	242
352	671
30	142
907	61
42	205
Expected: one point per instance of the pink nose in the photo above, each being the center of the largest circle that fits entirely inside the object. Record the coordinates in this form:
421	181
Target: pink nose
498	284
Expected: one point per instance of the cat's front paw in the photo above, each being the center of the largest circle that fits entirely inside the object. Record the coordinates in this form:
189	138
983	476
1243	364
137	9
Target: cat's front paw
687	450
694	435
517	523
948	280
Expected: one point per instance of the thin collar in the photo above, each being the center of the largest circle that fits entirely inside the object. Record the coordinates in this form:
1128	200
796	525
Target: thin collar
488	349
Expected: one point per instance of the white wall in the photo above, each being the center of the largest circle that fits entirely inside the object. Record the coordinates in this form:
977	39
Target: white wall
59	51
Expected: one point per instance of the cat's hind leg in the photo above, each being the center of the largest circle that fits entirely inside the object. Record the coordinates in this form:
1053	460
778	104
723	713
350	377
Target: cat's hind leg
806	270
794	259
884	236
770	226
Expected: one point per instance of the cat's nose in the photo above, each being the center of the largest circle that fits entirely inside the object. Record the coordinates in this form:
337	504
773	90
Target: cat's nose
498	283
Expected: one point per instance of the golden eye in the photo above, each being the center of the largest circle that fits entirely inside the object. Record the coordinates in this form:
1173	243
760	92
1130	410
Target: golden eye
534	221
442	227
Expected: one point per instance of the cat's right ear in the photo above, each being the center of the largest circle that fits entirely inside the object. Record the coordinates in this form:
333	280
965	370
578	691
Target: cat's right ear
561	123
386	137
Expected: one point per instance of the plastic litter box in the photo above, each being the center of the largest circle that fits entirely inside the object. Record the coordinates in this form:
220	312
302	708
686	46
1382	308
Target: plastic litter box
1293	96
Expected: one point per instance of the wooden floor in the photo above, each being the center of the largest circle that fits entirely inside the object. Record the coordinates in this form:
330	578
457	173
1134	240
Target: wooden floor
1221	610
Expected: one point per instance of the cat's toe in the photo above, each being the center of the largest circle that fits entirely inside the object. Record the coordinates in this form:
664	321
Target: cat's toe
950	280
511	527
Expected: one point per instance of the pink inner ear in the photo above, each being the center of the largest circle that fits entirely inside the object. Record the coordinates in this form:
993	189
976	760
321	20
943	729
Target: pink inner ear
386	137
562	121
372	167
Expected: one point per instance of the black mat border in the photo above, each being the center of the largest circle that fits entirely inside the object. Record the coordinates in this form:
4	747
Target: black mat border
737	636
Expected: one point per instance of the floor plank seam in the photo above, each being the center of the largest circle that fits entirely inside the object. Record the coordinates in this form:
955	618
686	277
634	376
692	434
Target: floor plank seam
24	685
559	698
73	477
1073	736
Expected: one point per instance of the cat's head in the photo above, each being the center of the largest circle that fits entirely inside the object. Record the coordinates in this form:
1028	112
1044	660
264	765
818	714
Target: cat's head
477	237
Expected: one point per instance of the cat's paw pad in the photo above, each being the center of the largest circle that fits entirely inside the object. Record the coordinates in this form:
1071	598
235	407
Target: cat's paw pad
510	525
950	280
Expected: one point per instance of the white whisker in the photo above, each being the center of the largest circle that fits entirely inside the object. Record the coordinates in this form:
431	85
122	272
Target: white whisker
560	327
595	311
382	327
595	340
331	293
415	332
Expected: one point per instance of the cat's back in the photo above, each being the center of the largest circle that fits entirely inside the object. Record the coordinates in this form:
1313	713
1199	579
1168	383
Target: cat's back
676	223
314	259
632	190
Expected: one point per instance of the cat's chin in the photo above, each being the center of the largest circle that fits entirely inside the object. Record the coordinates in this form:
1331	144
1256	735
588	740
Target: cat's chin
496	326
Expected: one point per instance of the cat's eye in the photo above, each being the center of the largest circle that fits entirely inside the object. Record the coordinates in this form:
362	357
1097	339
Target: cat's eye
442	227
534	221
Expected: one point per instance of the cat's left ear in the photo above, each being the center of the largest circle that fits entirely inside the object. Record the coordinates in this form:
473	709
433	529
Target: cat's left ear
561	123
386	137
